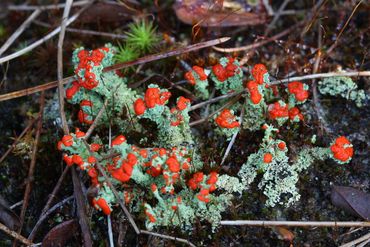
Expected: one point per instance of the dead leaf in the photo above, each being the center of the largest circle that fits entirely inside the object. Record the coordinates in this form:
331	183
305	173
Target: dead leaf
60	234
101	12
195	12
7	216
352	201
284	234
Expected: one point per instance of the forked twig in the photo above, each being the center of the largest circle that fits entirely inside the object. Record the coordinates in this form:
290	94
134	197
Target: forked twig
15	235
19	31
142	60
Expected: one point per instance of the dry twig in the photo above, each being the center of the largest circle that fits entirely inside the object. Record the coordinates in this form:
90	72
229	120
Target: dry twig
19	31
15	235
265	223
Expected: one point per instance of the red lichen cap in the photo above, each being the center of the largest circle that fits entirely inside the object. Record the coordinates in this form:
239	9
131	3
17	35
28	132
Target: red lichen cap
297	88
342	149
182	103
173	164
190	77
252	87
67	140
295	112
139	106
276	110
227	120
102	203
258	71
200	72
281	145
71	91
118	140
219	72
267	158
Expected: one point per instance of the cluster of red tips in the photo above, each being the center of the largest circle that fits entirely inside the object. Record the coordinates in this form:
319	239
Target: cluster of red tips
281	145
223	73
342	149
102	204
295	112
118	140
150	217
86	62
255	95
71	91
83	116
124	172
258	72
297	88
182	103
196	182
153	96
276	110
227	120
189	76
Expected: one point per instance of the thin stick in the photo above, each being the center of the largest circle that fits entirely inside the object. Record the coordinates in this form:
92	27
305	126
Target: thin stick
50	200
115	192
258	44
232	141
60	65
356	241
276	16
321	75
19	31
110	233
331	48
142	60
46	214
44	7
96	120
210	101
181	240
28	127
42	40
84	31
81	209
32	164
175	52
264	223
15	235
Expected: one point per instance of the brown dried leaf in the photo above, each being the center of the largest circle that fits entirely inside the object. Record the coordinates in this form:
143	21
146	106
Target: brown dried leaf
7	216
106	12
60	234
351	200
197	13
284	234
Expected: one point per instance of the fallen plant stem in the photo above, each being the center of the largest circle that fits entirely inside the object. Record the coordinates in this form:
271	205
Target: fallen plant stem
267	223
15	235
28	127
115	192
364	238
42	40
142	60
31	169
19	31
50	200
44	7
168	237
46	214
96	120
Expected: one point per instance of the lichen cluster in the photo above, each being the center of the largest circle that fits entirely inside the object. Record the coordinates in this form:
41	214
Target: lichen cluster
166	181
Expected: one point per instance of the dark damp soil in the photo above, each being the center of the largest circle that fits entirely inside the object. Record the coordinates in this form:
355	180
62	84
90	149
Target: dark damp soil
293	54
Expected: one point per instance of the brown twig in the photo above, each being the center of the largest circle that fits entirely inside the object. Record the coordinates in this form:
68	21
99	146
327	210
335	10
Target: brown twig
45	215
42	40
66	11
28	127
31	170
19	31
45	7
265	223
84	31
163	55
96	120
142	60
81	209
232	141
115	192
50	200
181	240
15	235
